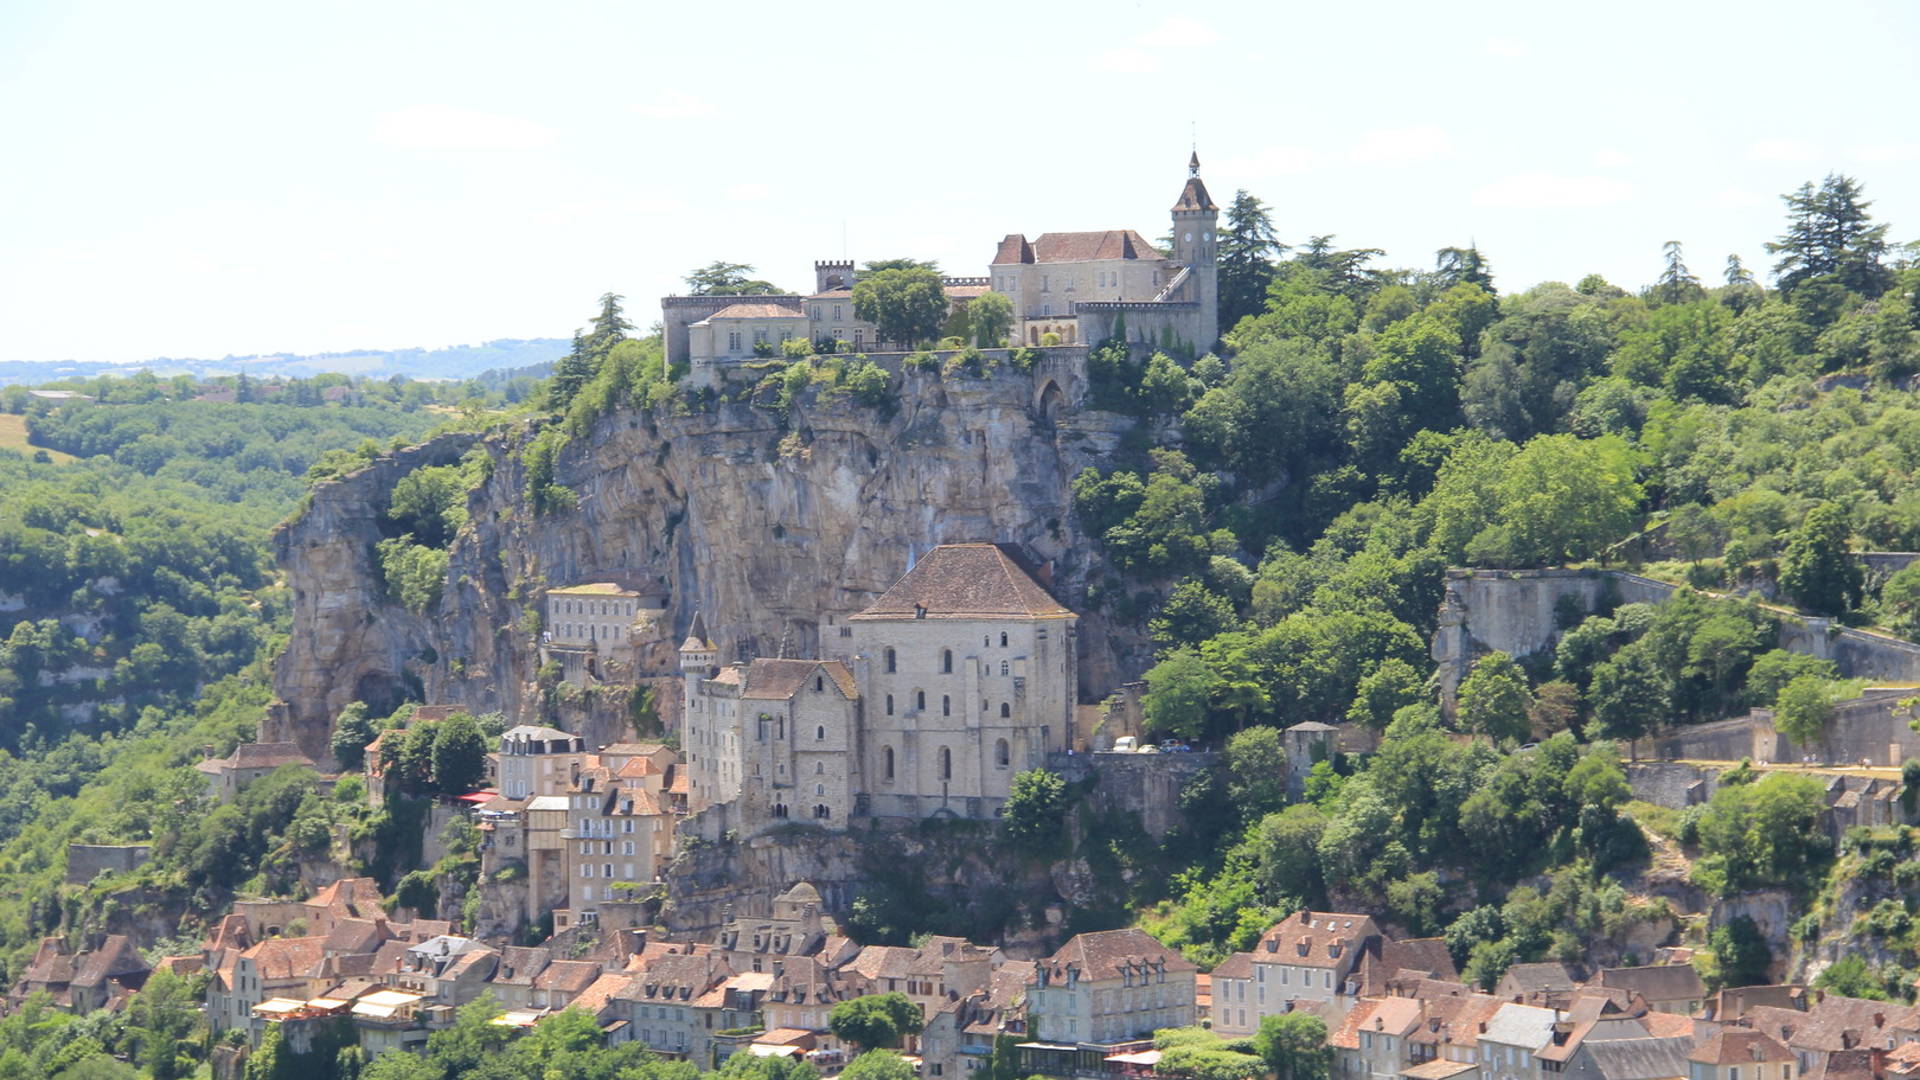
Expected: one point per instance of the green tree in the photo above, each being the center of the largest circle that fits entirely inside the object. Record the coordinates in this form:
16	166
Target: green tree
459	754
1192	614
1803	710
1631	695
907	306
1386	690
1774	669
1294	1046
990	316
1180	692
1900	598
1248	247
1830	236
1035	801
879	1065
727	279
1676	284
875	1021
1256	772
1740	953
1762	834
1285	850
352	731
1817	569
1494	699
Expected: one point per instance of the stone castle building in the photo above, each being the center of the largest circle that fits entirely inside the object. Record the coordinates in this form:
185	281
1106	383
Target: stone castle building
1078	287
958	677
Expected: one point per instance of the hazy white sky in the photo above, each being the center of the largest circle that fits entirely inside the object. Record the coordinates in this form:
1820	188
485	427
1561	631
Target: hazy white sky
198	179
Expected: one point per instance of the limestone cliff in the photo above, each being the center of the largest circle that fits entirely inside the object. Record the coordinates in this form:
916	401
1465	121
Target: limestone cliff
774	527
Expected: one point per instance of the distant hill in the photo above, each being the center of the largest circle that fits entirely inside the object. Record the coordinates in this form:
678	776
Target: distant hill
451	362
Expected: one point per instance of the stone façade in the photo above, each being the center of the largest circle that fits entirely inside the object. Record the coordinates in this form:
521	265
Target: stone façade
770	527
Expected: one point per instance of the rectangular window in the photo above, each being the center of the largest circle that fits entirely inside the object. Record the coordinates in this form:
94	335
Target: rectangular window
733	341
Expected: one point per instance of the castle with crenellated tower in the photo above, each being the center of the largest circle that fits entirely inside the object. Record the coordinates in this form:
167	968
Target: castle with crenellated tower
1067	288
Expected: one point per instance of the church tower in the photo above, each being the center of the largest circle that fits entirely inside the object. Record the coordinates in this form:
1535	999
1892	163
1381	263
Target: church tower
1196	245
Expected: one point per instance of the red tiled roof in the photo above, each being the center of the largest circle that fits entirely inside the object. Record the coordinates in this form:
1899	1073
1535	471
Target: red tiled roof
771	679
1732	1046
1315	939
1107	954
758	311
1013	249
1089	246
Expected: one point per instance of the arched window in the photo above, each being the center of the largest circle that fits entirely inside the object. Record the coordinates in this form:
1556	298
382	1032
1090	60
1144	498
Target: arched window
819	733
892	662
819	768
946	705
889	704
946	764
1003	639
1003	667
1000	755
920	700
887	756
1005	710
946	661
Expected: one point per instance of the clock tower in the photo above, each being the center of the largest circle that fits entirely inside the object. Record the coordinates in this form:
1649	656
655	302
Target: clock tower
1196	245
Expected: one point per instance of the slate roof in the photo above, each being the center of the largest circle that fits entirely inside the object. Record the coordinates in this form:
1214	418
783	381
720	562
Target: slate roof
1107	954
1194	196
1658	982
570	977
777	680
1520	1025
1550	975
1638	1059
965	581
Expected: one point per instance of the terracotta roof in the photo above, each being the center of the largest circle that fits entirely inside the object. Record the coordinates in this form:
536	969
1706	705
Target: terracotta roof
1540	976
1075	247
883	962
758	311
965	581
1315	939
287	958
1733	1046
966	292
596	996
270	755
1107	954
1237	966
1834	1023
1666	1025
832	294
567	976
355	898
777	680
1844	1065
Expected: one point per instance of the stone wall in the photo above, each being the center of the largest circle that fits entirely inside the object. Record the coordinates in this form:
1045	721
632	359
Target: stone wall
88	861
1512	611
1145	784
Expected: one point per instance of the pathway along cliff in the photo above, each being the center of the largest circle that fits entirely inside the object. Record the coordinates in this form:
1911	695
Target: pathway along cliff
770	525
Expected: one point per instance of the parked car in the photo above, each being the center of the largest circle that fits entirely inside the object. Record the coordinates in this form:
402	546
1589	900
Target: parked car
1126	744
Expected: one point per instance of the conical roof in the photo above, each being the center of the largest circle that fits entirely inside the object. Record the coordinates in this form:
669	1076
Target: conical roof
697	640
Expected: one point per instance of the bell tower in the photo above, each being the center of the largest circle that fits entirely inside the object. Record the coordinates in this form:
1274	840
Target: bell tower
1196	245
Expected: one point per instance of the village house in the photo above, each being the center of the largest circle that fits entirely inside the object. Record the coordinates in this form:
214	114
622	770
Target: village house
81	983
248	762
1107	987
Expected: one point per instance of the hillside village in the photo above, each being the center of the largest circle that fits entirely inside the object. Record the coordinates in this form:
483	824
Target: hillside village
639	770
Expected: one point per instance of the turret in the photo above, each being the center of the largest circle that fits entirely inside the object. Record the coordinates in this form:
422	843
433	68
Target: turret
1196	245
697	653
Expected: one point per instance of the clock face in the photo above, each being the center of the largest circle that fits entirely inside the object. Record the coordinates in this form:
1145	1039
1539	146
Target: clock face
1209	237
1189	238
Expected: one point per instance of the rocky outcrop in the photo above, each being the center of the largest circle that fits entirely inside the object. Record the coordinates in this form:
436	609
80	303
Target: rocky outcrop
776	527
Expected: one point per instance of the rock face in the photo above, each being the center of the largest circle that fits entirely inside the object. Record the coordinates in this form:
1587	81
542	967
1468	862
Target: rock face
773	528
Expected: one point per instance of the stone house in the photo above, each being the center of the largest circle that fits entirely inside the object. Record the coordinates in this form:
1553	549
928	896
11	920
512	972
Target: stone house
536	760
1735	1054
1374	1041
620	829
248	762
1544	983
914	721
1311	956
1236	1014
1673	988
1107	987
1514	1035
275	968
83	982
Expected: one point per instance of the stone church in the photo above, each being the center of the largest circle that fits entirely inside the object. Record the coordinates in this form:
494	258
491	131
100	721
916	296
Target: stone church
958	677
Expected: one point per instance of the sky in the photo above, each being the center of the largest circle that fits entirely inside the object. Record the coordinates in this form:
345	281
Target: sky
206	179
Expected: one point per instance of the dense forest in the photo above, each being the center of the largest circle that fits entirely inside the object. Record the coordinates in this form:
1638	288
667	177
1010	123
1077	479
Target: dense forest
1280	521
